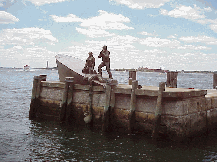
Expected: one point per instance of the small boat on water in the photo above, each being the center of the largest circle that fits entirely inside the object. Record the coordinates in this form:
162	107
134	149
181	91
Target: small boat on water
26	68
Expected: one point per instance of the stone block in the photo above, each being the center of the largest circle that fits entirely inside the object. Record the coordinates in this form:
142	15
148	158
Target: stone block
212	117
175	108
201	104
194	127
81	97
141	117
120	114
98	112
213	102
43	93
52	93
122	90
178	125
192	107
207	103
144	127
53	84
83	107
99	99
185	107
174	124
122	102
50	107
187	124
78	114
120	125
202	120
146	104
195	104
151	117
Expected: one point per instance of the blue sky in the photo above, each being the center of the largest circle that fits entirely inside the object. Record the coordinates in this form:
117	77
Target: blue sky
174	35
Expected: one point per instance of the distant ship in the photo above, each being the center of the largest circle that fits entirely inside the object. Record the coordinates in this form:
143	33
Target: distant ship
26	67
152	70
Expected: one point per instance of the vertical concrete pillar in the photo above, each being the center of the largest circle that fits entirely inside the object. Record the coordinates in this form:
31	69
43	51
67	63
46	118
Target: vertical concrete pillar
43	77
34	105
158	110
132	76
130	81
89	118
214	80
67	99
132	106
106	108
172	79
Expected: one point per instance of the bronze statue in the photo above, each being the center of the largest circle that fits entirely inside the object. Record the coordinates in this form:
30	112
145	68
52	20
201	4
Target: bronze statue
90	64
105	61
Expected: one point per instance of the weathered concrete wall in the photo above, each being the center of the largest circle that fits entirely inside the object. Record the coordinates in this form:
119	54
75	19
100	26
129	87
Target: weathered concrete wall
185	112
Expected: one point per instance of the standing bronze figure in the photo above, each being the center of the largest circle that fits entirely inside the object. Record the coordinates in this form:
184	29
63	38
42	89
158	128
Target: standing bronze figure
105	61
90	64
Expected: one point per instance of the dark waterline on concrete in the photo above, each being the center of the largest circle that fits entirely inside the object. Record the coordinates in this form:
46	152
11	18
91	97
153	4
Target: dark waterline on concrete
22	139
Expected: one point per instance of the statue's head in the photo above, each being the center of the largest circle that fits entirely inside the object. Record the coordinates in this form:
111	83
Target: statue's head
104	47
90	53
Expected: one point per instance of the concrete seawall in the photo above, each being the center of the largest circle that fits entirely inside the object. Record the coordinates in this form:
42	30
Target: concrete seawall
185	112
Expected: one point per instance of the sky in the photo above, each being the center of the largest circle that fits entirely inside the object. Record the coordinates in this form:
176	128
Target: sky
167	34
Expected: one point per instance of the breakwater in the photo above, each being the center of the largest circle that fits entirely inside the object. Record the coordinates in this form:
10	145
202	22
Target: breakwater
125	108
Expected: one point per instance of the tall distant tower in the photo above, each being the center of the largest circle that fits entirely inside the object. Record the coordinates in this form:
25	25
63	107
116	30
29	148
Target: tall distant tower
47	65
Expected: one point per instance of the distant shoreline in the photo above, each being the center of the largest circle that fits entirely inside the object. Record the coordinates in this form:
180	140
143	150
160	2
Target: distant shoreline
50	68
165	71
162	71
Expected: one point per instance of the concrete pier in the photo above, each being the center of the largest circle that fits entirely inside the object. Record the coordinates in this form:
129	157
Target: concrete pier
184	112
172	79
215	81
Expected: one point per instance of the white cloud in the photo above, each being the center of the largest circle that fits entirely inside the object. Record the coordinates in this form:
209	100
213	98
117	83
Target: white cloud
68	18
104	21
107	20
208	9
7	18
148	34
26	36
172	36
158	42
194	47
201	39
123	40
195	14
139	4
154	51
213	27
26	46
115	43
186	12
212	23
18	56
43	2
94	33
96	26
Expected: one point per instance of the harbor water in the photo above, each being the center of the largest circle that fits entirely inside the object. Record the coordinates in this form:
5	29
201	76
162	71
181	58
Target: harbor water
22	139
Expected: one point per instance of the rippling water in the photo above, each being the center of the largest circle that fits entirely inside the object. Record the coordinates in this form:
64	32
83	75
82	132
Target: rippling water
22	139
